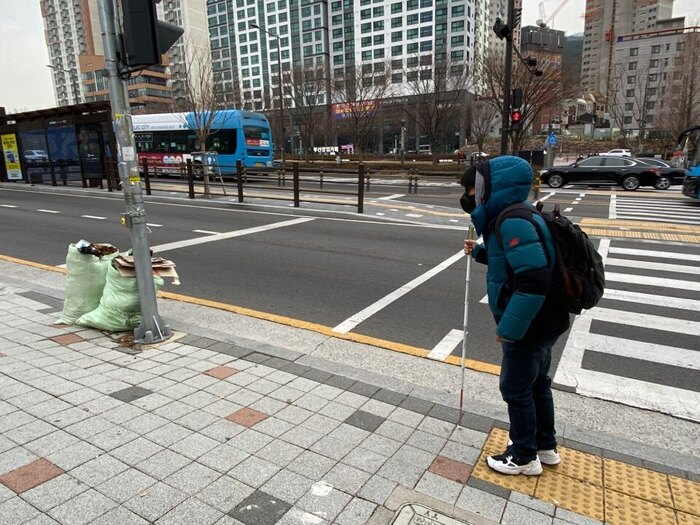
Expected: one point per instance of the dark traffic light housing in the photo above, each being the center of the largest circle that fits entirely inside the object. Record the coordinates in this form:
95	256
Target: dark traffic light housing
516	117
502	30
516	113
145	37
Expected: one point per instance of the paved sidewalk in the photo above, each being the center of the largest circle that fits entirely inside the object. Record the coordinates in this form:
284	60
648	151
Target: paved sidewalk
199	430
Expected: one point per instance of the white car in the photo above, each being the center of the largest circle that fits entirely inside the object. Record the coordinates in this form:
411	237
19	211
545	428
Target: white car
617	153
35	155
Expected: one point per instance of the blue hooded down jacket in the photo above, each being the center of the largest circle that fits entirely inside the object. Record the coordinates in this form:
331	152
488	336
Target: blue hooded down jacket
520	268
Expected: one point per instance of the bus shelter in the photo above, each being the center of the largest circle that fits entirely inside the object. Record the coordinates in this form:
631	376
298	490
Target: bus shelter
58	145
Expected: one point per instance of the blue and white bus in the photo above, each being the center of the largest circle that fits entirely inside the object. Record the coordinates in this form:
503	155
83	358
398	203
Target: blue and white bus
168	139
687	155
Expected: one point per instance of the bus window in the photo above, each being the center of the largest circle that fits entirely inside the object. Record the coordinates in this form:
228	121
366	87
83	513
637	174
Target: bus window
256	136
223	141
693	147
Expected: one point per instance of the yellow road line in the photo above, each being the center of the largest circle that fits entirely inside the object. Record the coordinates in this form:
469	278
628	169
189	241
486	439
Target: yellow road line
32	264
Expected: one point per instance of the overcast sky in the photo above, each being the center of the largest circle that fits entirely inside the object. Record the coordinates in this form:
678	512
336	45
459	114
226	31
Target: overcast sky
25	82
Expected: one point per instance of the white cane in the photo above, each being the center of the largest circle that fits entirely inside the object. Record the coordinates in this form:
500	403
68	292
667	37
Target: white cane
470	236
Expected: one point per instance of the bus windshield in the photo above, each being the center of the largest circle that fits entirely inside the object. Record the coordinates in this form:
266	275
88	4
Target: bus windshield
256	136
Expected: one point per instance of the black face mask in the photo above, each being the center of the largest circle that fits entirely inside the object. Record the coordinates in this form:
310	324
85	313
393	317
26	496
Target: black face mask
467	202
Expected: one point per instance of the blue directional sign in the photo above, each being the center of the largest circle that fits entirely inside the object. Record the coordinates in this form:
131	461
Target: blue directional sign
552	139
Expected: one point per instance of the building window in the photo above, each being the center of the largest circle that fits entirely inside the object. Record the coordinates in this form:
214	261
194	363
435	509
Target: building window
457	26
396	51
458	10
631	79
397	78
379	53
426	3
378	40
412	76
396	22
655	50
426	74
457	55
457	40
412	48
426	31
367	55
634	51
412	62
629	106
396	36
379	25
411	5
366	41
396	7
628	120
365	14
411	34
396	64
632	66
366	27
654	63
412	19
426	45
378	11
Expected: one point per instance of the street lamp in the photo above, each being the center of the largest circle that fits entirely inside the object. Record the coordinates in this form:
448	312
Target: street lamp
73	82
279	72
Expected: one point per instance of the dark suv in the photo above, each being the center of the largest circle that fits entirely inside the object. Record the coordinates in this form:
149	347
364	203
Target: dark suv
628	173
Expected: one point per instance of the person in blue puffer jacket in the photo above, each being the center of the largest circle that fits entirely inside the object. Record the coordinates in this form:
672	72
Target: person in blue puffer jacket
520	265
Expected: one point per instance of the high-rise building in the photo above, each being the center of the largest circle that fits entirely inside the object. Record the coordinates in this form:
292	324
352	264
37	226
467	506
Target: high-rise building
605	21
390	37
74	41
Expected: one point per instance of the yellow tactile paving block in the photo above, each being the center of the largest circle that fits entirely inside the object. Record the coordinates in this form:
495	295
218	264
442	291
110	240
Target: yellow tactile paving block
636	481
523	484
579	465
687	519
621	509
647	225
656	236
571	494
686	495
497	441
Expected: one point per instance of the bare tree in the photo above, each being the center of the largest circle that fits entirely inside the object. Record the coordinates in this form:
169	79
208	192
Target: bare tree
357	97
483	116
304	88
540	93
439	96
201	99
679	104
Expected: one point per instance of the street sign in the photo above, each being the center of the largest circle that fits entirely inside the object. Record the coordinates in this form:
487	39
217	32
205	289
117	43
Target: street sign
552	139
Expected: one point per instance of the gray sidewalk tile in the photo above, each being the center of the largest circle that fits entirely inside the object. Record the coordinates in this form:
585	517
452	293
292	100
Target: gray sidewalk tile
113	438
389	396
323	503
119	516
311	402
89	427
126	485
273	426
83	508
414	456
518	515
301	436
260	508
223	458
254	471
225	493
197	420
394	430
5	493
488	487
437	427
352	399
268	405
327	392
15	458
163	464
357	512
169	434
482	503
377	489
460	452
364	459
466	436
337	411
418	405
16	511
279	452
445	413
296	516
54	492
263	386
15	419
194	445
145	423
29	432
344	383
311	465
156	501
74	455
42	519
346	478
566	516
288	486
381	445
250	440
321	423
136	451
363	389
532	503
280	377
287	394
400	472
439	487
427	442
332	448
122	414
192	478
223	430
98	470
244	397
350	434
365	420
191	512
200	399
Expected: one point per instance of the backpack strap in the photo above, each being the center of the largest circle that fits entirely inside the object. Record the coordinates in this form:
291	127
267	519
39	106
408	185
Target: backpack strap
521	210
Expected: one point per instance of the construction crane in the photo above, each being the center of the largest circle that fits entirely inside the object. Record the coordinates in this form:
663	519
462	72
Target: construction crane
542	21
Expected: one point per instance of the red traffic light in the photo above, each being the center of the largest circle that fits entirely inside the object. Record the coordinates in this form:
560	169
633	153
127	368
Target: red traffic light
515	119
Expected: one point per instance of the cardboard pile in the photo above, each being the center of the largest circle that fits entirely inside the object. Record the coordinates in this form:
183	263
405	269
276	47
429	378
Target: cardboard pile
124	264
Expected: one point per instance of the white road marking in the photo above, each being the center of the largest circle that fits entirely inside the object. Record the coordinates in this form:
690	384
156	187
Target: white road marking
207	232
648	265
48	211
390	197
654	253
7	206
660	398
413	215
656	322
454	220
484	299
547	196
380	214
96	217
567	210
604	248
652	281
582	194
655	353
372	309
152	225
228	235
647	298
612	209
447	345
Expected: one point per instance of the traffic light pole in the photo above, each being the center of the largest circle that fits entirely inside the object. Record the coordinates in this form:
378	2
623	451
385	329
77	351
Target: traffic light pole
152	328
505	120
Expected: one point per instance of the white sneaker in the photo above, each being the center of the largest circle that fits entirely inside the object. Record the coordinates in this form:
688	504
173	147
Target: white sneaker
508	463
549	457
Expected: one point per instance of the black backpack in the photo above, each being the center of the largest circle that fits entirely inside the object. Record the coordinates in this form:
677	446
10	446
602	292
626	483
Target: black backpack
578	280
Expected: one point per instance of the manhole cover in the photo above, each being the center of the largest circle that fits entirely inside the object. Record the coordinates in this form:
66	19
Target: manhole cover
416	514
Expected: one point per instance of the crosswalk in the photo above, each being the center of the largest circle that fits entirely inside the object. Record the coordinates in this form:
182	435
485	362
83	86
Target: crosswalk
674	210
641	345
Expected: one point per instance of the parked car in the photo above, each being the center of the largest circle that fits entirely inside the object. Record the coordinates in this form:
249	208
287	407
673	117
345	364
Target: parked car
617	153
628	173
35	155
669	174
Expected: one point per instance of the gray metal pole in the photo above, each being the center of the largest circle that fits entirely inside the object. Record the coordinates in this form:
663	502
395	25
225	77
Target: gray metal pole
505	121
279	67
152	328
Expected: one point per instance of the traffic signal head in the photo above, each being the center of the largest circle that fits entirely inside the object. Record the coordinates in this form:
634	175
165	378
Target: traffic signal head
501	29
516	117
145	37
517	98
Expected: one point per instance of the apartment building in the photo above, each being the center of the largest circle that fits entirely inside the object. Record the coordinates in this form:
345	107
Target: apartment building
649	73
605	21
74	41
334	35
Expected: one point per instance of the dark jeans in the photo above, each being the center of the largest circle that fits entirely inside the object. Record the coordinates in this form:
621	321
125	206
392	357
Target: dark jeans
527	388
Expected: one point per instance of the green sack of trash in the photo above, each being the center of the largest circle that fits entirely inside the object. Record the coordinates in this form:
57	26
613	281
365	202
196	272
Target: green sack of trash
86	272
119	308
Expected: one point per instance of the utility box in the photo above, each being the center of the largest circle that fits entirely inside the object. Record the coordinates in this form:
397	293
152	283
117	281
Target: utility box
536	157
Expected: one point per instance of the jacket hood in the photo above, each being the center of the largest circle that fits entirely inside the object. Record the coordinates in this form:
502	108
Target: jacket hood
506	180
